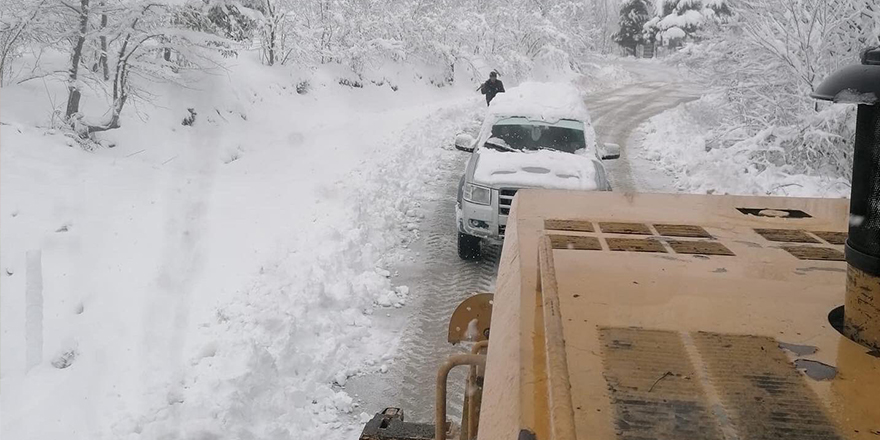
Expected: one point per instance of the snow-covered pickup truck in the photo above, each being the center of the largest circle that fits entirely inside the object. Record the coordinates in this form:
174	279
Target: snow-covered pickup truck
537	135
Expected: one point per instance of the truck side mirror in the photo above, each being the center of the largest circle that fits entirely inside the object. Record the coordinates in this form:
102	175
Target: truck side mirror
609	151
465	142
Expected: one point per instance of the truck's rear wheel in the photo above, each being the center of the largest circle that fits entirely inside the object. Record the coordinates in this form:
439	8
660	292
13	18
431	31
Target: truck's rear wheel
469	247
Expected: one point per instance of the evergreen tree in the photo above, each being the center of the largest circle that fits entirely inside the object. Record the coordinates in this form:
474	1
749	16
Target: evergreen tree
633	16
681	20
668	7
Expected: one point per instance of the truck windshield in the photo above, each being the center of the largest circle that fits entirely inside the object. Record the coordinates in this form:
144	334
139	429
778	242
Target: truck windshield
536	136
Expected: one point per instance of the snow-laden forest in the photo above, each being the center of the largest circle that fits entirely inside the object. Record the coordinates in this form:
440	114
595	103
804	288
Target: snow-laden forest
756	130
113	47
203	202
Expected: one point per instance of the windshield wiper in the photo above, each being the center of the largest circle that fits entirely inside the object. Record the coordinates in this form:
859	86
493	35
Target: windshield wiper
499	147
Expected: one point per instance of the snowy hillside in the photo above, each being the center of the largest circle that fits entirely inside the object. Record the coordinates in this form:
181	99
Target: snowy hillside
237	219
198	279
683	144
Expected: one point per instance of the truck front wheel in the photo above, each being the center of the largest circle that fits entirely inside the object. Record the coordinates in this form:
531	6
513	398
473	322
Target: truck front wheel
468	247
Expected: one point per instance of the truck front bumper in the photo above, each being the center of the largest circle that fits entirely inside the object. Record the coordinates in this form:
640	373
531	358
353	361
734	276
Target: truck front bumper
480	220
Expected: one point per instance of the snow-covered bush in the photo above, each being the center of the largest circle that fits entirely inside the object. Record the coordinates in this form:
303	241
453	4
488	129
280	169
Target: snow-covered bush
764	66
700	155
112	47
633	16
678	21
820	145
446	39
112	44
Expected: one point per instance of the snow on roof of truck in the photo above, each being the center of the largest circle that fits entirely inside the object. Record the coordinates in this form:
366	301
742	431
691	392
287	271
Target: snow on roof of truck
519	120
545	101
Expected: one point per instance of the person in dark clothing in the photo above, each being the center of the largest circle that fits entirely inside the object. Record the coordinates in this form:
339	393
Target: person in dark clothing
492	87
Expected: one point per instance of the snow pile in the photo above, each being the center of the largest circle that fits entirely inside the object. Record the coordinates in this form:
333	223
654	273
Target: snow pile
395	298
850	96
538	100
537	169
673	33
606	75
683	143
688	19
677	20
213	280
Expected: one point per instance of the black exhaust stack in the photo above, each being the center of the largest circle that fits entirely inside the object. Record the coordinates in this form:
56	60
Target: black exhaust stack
860	84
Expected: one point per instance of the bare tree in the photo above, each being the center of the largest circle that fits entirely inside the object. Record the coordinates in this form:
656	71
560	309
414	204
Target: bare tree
274	12
73	88
102	56
16	26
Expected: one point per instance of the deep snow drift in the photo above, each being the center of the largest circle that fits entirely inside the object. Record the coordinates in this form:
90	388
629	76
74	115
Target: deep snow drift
214	280
675	142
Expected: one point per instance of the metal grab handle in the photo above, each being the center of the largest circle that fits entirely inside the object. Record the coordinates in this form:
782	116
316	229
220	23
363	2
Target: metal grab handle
478	346
442	376
471	409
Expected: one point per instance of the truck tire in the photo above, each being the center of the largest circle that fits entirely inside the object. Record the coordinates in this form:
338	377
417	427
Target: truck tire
468	247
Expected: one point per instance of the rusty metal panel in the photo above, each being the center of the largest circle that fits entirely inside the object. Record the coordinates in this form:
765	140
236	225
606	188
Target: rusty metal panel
634	245
786	235
624	228
682	231
568	225
838	238
578	242
653	387
815	253
700	247
862	306
763	394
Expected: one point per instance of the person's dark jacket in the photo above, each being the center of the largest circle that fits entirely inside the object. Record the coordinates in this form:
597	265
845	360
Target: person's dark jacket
491	88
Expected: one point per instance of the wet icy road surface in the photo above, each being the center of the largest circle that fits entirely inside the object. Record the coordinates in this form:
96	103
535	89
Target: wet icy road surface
439	280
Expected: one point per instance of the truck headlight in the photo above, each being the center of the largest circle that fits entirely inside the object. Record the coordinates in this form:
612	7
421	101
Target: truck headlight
477	194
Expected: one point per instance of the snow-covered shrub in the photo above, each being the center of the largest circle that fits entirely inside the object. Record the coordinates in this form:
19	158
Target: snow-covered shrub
765	65
679	21
821	145
702	156
633	16
457	39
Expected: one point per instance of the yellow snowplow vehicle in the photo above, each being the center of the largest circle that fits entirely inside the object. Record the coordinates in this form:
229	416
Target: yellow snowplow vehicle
649	316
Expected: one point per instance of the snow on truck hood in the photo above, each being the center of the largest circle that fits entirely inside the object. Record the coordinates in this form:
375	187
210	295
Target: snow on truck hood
536	169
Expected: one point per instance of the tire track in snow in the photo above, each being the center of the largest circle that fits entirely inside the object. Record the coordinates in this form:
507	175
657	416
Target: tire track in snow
438	282
617	114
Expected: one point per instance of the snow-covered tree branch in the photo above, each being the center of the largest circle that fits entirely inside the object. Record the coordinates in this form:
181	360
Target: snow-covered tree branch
767	60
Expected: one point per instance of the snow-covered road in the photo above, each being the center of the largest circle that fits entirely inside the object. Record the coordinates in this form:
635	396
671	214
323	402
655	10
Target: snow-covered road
248	276
217	280
439	280
618	112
